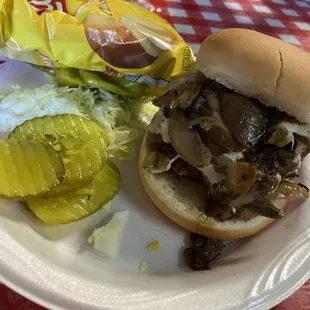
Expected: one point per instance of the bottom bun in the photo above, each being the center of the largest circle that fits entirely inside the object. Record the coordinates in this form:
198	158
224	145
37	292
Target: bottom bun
183	201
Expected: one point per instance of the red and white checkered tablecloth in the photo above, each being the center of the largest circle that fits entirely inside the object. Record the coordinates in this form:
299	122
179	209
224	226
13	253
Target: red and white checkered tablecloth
288	20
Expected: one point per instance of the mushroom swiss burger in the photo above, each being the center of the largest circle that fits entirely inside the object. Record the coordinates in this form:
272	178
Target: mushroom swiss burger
221	156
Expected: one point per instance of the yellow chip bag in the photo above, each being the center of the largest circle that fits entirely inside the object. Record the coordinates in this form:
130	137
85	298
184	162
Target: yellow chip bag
113	44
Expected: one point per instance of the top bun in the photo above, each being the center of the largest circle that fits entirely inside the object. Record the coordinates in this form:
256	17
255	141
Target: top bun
259	66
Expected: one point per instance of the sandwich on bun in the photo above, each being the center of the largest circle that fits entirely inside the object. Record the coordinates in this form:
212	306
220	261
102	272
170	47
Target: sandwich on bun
222	154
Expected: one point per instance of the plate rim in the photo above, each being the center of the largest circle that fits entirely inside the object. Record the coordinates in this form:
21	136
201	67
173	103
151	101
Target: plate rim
26	293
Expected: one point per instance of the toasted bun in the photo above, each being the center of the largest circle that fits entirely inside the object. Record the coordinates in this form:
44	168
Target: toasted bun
182	201
259	66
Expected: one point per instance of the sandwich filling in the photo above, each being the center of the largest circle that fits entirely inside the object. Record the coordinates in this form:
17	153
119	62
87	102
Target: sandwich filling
246	154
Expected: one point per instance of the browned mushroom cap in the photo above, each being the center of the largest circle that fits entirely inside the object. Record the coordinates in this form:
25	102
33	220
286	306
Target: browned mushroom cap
187	142
181	94
244	117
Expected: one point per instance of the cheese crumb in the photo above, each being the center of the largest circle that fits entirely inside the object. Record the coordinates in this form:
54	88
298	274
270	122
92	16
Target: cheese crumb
107	239
153	246
143	266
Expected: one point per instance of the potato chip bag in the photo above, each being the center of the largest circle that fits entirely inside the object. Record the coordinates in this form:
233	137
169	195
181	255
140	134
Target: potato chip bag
111	44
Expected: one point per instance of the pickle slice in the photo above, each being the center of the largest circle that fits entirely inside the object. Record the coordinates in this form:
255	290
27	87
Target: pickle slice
61	190
80	202
28	168
80	142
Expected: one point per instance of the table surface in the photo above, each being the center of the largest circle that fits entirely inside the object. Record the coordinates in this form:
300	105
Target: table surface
288	20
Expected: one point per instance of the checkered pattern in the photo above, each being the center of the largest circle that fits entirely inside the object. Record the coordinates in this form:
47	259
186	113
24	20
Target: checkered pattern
288	20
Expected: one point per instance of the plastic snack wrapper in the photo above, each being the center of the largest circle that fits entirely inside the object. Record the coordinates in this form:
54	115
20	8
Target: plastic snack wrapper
111	44
145	4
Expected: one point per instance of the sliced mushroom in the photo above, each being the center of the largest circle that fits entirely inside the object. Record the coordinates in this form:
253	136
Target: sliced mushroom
270	182
286	131
244	200
281	137
152	139
206	122
216	131
219	192
202	251
166	149
212	100
156	143
157	162
244	117
182	168
265	208
215	149
302	146
228	159
159	125
187	142
181	94
224	139
245	214
194	111
289	162
257	192
212	174
219	211
205	110
292	190
239	178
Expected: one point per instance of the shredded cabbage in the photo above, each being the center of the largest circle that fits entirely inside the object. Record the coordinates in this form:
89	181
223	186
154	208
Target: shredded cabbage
23	104
124	120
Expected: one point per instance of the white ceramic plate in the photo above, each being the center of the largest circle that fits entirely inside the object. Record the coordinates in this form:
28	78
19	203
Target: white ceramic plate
55	267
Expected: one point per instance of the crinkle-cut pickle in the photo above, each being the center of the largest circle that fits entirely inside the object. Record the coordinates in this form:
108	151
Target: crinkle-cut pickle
80	142
80	202
28	169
